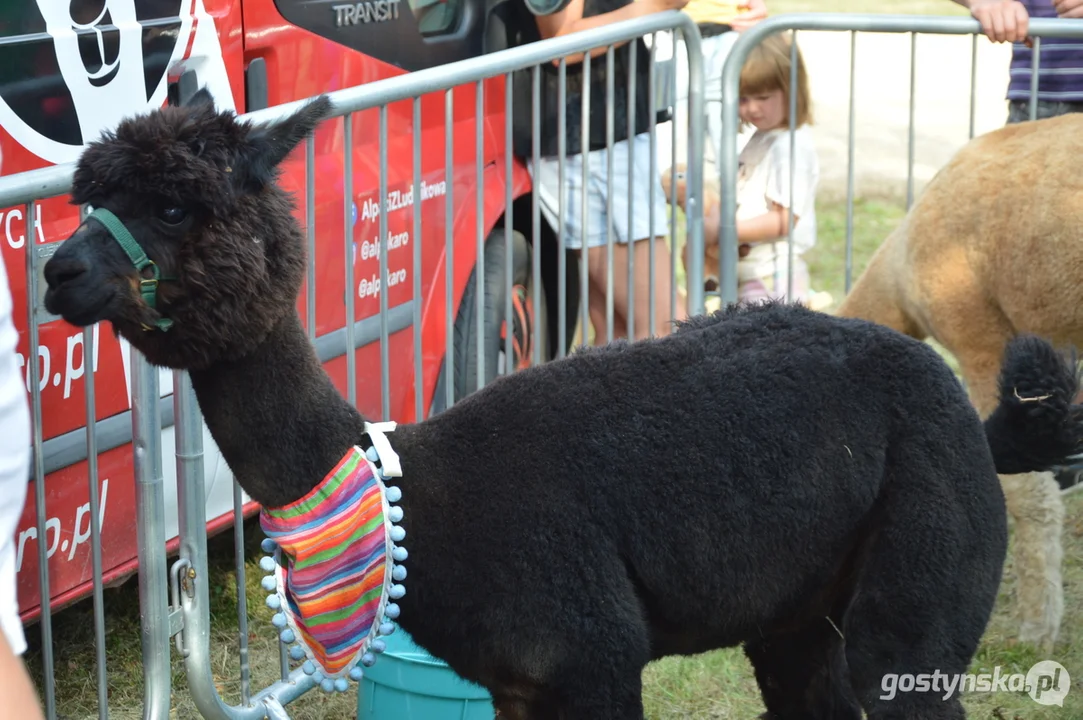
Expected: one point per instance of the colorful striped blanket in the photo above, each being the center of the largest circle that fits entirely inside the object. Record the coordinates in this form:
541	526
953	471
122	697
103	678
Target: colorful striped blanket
335	565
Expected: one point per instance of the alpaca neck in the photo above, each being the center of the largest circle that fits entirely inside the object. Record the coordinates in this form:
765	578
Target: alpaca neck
277	418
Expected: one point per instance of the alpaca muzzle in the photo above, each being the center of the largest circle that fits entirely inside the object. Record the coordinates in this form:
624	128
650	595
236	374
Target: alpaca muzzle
149	274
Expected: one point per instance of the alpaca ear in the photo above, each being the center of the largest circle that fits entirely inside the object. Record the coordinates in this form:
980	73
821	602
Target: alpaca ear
268	145
202	97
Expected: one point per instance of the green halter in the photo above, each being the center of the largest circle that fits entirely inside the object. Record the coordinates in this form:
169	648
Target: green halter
148	287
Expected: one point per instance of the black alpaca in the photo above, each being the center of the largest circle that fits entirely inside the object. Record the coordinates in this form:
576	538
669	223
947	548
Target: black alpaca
817	489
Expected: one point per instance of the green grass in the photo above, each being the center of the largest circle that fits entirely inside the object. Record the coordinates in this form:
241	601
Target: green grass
75	657
873	219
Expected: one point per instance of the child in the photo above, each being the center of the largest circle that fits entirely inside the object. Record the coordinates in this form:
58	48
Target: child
763	176
763	182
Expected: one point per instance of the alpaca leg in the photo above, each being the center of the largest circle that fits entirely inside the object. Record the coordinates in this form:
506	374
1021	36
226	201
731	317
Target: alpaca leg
906	645
928	585
803	675
512	708
902	658
602	692
1035	503
596	655
596	677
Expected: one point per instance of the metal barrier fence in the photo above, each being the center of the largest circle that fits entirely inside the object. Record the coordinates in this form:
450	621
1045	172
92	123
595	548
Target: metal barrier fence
852	23
174	599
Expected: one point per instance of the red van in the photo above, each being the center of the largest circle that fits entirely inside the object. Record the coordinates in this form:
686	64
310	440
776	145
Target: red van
71	68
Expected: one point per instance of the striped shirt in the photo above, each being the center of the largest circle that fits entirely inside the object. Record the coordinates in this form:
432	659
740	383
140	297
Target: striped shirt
1060	64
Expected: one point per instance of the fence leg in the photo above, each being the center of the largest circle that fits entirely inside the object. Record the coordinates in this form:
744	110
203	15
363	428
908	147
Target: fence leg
192	522
694	188
195	603
150	529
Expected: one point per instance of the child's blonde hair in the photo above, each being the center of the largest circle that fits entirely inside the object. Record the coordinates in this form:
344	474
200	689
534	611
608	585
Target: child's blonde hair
767	69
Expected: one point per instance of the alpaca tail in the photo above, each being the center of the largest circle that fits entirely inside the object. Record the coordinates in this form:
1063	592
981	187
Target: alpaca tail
1035	427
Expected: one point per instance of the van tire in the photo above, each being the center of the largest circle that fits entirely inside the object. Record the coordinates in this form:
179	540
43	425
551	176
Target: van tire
497	349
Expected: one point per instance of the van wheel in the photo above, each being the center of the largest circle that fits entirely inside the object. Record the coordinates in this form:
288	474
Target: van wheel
529	323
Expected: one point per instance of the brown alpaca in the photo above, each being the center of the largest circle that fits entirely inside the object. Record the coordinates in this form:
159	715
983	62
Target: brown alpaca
990	250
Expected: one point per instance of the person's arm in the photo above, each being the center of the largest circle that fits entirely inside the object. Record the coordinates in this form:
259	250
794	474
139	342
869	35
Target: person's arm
570	20
1001	20
751	12
20	699
772	225
16	689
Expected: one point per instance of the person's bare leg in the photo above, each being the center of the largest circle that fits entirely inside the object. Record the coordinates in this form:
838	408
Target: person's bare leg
598	308
663	311
597	263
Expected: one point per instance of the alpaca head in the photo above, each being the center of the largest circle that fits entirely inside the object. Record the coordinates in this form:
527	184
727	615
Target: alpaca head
194	191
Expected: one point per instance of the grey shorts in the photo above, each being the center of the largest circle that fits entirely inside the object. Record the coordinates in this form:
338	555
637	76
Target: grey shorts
644	193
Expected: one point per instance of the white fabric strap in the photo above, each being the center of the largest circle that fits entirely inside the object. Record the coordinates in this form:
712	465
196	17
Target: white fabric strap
389	459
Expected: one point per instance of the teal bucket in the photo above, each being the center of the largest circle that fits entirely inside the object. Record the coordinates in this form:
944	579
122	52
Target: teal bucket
407	683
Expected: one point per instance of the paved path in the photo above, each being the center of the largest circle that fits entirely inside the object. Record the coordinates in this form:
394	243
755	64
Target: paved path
942	107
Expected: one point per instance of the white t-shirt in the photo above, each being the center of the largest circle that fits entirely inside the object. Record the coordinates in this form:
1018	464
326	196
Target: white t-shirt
763	177
14	464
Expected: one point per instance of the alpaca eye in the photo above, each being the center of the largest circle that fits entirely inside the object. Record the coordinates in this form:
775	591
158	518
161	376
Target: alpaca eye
172	215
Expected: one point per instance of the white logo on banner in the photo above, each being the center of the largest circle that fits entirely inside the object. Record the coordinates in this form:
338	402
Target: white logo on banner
101	105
